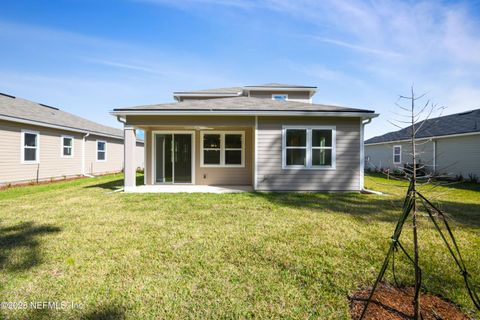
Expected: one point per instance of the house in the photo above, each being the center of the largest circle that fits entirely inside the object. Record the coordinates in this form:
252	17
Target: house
40	142
268	137
447	146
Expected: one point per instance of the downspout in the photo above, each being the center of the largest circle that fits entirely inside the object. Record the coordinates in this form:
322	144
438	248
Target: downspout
362	159
83	157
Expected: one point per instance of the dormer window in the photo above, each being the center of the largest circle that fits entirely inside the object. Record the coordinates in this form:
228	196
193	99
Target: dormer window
280	97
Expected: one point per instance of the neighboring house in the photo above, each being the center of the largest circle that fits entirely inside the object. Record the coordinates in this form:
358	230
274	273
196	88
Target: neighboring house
39	142
270	137
448	145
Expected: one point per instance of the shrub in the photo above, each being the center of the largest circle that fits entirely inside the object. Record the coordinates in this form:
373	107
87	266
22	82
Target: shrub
472	178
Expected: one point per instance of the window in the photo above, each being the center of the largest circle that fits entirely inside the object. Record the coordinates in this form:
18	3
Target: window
308	147
101	150
397	154
222	149
280	97
67	146
30	146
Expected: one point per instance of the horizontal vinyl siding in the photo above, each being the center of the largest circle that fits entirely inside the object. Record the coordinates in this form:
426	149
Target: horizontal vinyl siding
213	176
459	156
114	161
139	155
301	96
381	155
271	176
51	164
148	160
226	176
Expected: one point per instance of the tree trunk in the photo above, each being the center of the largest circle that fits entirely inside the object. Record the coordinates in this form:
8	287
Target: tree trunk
416	304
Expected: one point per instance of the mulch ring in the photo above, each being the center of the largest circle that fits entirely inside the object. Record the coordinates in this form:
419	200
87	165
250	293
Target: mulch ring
391	302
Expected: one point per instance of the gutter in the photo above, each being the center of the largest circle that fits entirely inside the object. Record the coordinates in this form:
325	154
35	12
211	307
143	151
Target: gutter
211	112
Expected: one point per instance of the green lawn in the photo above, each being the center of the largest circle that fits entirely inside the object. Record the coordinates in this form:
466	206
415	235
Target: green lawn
146	256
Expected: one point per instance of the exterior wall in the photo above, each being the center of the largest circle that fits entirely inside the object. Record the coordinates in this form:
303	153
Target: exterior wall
380	156
453	156
148	157
300	96
139	155
459	155
114	158
271	176
51	164
208	175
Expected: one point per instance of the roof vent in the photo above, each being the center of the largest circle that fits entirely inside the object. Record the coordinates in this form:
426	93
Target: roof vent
6	95
47	106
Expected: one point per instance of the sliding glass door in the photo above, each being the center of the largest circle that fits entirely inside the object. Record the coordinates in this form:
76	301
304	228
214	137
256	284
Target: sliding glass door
173	157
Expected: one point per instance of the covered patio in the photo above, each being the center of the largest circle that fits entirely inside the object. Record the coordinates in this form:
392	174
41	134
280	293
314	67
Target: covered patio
192	154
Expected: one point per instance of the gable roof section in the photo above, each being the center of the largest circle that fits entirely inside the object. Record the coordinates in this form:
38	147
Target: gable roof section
237	105
238	91
459	123
22	110
230	90
274	86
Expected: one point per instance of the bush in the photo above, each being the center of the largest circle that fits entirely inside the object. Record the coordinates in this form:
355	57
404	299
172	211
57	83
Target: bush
472	178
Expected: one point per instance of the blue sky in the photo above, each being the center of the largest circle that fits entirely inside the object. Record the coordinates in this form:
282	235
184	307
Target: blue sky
88	57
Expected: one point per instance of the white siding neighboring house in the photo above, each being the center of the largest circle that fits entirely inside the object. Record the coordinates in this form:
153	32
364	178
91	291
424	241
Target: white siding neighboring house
268	137
39	142
448	146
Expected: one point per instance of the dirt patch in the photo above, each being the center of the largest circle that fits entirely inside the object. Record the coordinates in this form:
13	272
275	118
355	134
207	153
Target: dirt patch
391	302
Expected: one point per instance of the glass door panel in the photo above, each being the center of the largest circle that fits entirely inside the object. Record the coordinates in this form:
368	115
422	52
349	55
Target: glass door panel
182	158
173	158
163	156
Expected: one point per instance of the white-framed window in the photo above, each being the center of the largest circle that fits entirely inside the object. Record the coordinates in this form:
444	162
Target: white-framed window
66	146
397	154
311	147
279	97
101	150
30	146
222	149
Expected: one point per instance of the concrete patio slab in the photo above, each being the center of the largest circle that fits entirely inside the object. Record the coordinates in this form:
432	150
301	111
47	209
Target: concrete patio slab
188	189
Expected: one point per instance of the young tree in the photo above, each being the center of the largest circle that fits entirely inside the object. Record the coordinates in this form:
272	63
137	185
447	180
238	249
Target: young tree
418	119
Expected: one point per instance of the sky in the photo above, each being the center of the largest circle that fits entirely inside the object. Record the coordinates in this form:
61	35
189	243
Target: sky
88	57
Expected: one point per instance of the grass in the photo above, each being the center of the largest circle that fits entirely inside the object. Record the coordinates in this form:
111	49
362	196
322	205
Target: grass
266	255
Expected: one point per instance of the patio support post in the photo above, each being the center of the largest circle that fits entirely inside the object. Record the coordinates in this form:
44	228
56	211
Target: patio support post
129	157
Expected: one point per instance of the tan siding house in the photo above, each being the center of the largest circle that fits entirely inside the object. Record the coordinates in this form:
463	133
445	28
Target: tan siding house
268	137
39	142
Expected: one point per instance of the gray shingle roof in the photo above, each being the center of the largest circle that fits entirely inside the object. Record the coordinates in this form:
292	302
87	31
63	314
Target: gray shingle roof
465	122
21	109
242	104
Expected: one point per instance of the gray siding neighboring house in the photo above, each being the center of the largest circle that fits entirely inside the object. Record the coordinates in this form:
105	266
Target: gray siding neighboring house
39	142
270	137
448	146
